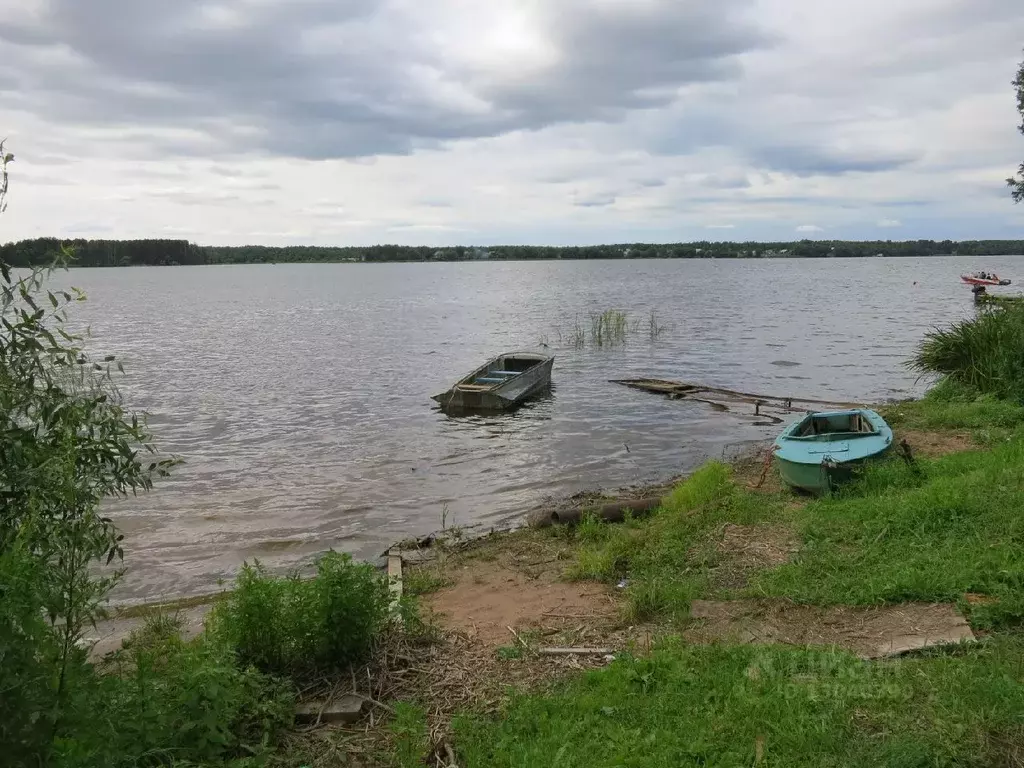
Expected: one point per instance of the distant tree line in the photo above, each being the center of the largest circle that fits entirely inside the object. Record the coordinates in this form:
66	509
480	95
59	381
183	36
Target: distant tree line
125	253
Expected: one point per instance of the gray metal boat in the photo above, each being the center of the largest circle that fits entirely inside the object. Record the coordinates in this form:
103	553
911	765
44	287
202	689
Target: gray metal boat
501	384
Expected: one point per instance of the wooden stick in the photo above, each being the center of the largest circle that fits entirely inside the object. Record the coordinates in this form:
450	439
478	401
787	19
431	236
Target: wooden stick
452	763
576	651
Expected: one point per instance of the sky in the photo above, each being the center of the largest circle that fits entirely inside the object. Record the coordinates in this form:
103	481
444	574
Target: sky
478	122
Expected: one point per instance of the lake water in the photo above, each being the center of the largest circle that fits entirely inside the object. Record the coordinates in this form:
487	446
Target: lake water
299	395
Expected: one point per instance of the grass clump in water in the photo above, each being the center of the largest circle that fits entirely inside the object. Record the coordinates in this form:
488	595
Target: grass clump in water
610	328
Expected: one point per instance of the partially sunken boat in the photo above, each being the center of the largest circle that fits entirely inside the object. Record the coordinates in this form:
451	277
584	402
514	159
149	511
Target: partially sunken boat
823	449
501	384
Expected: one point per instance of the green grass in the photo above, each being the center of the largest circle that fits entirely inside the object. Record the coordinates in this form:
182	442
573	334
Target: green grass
666	558
953	527
985	352
954	406
767	706
932	532
936	529
164	701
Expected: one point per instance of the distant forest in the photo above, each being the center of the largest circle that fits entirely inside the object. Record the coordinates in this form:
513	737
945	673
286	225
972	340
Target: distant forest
127	253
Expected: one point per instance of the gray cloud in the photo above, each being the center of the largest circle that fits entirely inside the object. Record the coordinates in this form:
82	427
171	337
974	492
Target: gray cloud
594	201
820	160
348	78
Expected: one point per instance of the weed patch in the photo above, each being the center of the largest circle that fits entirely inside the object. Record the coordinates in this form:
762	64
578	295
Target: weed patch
296	627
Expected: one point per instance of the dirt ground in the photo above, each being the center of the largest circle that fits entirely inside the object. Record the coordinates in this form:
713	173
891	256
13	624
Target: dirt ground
488	600
934	444
514	584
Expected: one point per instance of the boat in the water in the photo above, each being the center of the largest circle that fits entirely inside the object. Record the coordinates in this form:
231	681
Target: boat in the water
500	384
984	279
824	449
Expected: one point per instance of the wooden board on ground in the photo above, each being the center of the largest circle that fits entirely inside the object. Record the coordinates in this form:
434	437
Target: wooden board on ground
870	633
344	709
395	579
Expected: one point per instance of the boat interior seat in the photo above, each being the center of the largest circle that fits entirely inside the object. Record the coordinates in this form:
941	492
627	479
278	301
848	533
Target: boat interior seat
504	373
489	380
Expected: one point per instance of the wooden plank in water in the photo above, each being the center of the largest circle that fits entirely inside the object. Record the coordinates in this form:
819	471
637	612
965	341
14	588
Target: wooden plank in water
721	398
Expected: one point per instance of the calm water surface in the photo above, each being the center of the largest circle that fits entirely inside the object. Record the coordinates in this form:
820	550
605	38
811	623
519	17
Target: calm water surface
299	395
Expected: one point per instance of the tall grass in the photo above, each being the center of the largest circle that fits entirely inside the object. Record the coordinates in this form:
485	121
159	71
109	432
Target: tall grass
609	328
985	353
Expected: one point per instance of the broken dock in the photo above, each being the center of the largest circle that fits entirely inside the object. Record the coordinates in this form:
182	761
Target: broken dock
764	409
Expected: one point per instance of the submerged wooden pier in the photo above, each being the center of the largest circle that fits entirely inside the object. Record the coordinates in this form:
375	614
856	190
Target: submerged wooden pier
764	409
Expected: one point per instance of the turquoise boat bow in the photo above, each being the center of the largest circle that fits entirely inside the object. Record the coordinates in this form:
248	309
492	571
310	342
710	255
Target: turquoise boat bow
823	449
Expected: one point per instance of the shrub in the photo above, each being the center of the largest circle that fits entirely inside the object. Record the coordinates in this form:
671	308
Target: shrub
167	701
296	627
66	443
27	661
985	353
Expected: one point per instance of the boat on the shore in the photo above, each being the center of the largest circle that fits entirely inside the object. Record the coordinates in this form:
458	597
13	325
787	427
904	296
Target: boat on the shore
984	279
824	449
500	384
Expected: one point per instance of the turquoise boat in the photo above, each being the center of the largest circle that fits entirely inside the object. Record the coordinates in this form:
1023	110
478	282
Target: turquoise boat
823	449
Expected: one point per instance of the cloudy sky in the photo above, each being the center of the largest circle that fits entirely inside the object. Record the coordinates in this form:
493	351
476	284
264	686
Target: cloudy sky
510	121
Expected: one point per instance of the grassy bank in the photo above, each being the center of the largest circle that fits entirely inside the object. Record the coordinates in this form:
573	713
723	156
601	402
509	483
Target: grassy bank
941	529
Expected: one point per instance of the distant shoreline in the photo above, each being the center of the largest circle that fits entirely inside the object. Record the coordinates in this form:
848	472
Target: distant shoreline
128	253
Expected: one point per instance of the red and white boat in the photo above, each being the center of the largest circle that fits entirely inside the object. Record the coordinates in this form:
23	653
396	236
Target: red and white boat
984	279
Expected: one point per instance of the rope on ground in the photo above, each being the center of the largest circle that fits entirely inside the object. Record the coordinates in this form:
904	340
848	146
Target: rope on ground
764	469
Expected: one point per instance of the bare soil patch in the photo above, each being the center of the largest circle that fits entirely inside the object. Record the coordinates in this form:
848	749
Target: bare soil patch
867	632
745	549
486	600
515	582
928	444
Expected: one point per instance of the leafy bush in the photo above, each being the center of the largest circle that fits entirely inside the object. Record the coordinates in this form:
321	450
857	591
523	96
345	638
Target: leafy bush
985	353
27	660
293	626
165	700
66	443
